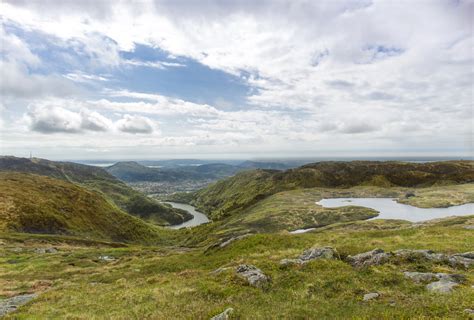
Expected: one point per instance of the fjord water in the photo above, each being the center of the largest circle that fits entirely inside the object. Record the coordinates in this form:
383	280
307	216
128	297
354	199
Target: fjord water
388	208
198	217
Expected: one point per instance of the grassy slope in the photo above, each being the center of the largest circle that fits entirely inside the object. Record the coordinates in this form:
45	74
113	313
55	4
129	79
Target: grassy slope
38	204
157	283
97	179
233	195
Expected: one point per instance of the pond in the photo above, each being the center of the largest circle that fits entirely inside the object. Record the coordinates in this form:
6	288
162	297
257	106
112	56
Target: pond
198	217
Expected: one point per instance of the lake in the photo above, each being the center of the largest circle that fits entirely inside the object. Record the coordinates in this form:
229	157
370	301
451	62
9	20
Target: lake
198	217
390	209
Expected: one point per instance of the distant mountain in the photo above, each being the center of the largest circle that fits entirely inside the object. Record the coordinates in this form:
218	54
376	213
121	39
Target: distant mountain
32	203
233	194
131	171
99	180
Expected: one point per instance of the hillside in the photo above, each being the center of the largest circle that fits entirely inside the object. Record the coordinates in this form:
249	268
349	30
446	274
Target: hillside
166	283
97	179
236	193
38	204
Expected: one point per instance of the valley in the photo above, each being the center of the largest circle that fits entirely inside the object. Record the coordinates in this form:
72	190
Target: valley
72	247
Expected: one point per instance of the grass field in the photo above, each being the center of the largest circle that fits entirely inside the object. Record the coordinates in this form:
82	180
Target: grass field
174	282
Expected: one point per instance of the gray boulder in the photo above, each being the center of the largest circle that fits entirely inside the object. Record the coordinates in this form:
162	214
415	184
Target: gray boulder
442	286
107	258
420	254
429	276
311	254
253	275
420	276
371	296
370	258
11	304
224	315
465	259
469	227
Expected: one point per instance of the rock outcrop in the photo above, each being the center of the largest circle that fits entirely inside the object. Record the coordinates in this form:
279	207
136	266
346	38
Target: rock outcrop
445	282
11	304
371	296
224	315
370	258
465	259
311	254
253	275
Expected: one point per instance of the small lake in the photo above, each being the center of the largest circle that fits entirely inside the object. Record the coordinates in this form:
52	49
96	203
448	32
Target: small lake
390	209
198	217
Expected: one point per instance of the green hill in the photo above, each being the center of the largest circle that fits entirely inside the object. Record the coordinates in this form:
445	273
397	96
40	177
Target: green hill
245	189
31	203
99	180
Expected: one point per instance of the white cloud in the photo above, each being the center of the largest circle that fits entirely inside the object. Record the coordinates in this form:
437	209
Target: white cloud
398	73
136	124
54	119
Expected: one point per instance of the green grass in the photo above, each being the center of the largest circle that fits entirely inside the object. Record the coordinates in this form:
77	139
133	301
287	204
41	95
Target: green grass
100	181
37	204
165	283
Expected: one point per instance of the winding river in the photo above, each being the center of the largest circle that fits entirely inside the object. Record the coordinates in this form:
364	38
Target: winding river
198	217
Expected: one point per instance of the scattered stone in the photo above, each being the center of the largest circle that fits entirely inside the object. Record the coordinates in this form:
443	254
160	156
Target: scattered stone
371	296
224	315
429	276
107	258
420	276
11	304
421	254
471	227
441	286
45	250
469	311
370	258
254	276
465	259
309	255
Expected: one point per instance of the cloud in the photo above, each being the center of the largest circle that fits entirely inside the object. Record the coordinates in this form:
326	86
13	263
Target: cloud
153	64
135	124
54	119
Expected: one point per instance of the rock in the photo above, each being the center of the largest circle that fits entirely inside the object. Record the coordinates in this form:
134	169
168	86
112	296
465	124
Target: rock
254	276
441	286
11	304
224	315
421	254
17	249
370	258
371	296
420	276
309	255
107	258
465	259
471	227
229	241
429	276
45	250
469	311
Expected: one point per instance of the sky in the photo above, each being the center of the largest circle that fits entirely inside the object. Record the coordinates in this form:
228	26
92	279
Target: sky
97	79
